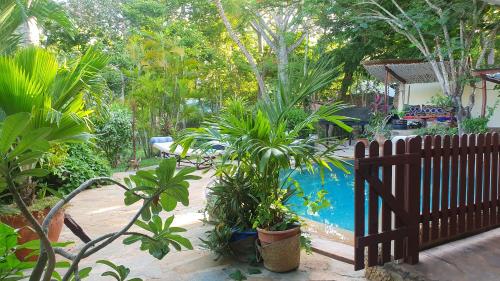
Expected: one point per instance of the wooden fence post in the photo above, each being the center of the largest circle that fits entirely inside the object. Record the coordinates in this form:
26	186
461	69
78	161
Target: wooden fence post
359	209
412	200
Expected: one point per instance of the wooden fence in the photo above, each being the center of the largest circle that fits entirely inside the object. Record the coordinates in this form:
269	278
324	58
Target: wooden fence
423	192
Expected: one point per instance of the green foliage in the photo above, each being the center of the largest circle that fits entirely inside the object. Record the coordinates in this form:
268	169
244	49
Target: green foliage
296	116
20	148
166	187
259	143
233	201
437	130
32	81
377	125
114	134
11	268
81	164
15	13
237	275
218	239
119	272
479	125
442	101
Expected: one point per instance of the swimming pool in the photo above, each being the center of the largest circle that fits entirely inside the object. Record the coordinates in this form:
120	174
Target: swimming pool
340	187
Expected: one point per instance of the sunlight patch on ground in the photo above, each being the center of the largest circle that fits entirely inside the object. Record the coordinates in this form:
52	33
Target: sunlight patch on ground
104	210
187	218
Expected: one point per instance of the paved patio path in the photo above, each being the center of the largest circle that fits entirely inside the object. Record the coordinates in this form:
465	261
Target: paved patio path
476	258
101	210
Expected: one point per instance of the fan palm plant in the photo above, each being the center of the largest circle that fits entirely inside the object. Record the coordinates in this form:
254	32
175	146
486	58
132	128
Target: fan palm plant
54	96
259	141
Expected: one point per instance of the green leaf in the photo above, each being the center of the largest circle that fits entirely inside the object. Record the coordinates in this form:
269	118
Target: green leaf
168	222
34	140
84	272
112	274
146	213
238	275
181	240
168	203
142	225
131	239
37	172
12	128
130	198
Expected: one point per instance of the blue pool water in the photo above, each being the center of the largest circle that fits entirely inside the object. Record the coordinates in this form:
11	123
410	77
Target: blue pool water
340	187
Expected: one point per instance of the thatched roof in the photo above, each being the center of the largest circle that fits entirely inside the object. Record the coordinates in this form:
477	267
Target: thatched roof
404	71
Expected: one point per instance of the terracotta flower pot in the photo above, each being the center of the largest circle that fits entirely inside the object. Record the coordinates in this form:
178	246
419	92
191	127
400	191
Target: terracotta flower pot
280	250
267	236
26	234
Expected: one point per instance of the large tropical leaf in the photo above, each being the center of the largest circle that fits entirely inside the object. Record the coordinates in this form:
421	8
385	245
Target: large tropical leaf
33	82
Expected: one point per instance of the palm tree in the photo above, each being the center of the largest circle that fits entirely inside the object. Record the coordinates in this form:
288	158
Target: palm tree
259	143
43	102
19	21
32	81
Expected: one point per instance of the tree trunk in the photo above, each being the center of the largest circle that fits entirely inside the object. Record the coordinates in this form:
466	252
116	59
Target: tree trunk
31	32
346	83
460	113
243	49
282	61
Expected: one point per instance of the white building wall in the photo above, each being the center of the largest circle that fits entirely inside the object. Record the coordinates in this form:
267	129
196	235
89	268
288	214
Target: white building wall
422	93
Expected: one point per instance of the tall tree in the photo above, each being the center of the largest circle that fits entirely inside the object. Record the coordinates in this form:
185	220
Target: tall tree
232	33
275	23
19	21
453	36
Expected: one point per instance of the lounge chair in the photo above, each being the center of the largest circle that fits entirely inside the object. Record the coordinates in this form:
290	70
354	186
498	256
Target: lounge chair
200	159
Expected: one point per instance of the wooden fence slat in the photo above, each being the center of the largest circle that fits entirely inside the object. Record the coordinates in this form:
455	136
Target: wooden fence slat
373	207
436	187
445	185
471	158
463	184
399	194
412	198
486	180
454	185
426	188
479	181
359	209
494	179
386	210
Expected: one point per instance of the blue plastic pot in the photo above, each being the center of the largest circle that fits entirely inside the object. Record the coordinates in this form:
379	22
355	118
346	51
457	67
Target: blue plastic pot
241	235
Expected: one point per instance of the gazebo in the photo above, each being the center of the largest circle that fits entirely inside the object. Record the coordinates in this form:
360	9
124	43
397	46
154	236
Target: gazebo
404	72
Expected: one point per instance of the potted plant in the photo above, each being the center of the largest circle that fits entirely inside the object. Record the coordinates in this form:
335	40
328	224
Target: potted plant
52	112
259	141
399	123
378	127
231	205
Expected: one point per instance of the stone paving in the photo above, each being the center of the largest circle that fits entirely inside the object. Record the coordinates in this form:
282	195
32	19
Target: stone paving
101	211
476	258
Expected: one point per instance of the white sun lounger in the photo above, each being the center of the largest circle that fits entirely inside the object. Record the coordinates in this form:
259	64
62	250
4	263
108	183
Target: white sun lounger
198	158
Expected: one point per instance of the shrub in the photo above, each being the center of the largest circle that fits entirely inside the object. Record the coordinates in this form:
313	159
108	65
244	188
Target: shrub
437	130
81	164
114	134
296	116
